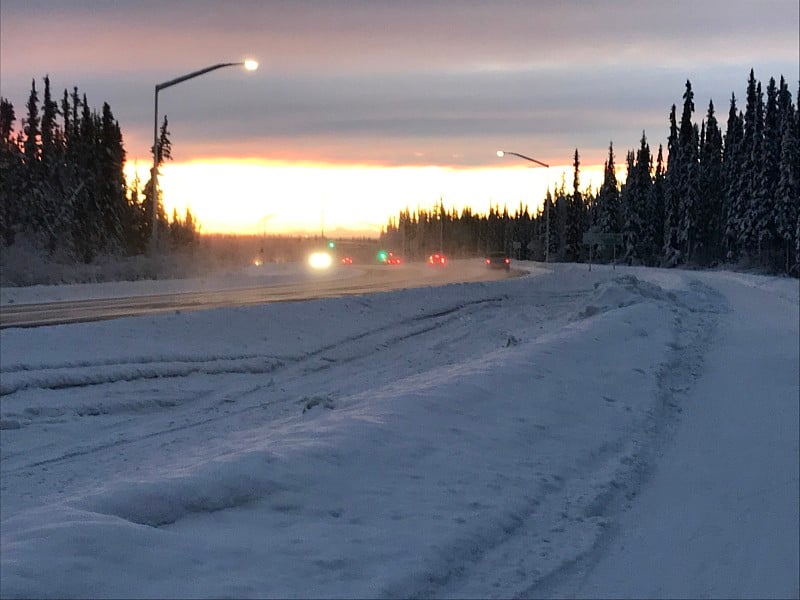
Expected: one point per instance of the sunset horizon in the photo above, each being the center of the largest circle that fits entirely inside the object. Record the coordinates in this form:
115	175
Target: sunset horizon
298	199
360	110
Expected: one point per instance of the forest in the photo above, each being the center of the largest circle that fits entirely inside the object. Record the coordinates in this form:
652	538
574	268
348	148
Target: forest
711	197
63	186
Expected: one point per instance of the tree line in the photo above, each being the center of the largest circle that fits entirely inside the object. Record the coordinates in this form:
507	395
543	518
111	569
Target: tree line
717	197
63	186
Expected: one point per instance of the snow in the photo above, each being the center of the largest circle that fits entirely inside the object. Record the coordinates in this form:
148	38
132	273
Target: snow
620	432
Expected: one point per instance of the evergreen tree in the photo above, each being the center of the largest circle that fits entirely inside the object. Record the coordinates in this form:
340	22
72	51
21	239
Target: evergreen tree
151	199
558	221
33	135
50	151
761	203
749	179
7	118
711	187
10	174
112	188
732	211
575	218
608	204
688	178
672	193
656	215
549	237
787	193
636	205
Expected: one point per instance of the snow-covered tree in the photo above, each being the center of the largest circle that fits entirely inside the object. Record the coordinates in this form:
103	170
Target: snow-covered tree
636	204
608	203
711	189
575	225
787	193
732	209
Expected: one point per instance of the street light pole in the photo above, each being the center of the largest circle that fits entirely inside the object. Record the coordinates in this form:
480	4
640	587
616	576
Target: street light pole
501	154
250	65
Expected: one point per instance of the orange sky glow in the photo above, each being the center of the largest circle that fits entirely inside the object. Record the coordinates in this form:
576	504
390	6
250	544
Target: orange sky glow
257	196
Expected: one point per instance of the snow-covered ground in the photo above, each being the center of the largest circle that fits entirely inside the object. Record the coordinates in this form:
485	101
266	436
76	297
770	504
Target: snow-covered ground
628	432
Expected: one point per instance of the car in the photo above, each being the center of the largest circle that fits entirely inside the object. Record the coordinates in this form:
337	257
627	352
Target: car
346	260
437	260
498	260
393	260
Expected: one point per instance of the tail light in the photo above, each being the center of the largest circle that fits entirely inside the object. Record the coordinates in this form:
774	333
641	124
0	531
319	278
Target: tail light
508	260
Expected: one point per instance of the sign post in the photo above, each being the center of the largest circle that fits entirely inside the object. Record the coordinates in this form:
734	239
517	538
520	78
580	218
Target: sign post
595	238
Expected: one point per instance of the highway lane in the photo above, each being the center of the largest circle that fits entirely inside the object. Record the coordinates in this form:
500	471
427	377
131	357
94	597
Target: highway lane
367	279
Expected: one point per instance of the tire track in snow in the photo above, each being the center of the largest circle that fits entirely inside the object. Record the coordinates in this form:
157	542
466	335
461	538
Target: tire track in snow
696	327
287	370
85	373
567	523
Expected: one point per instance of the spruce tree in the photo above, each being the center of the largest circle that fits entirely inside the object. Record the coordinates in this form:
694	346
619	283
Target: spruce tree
731	214
50	151
575	217
111	158
656	215
747	200
152	199
608	209
672	193
689	199
10	174
635	201
33	134
787	193
711	188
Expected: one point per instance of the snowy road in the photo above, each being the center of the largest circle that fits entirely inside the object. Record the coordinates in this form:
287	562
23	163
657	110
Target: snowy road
557	434
17	309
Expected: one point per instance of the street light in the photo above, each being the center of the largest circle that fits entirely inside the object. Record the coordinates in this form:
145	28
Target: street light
249	64
501	154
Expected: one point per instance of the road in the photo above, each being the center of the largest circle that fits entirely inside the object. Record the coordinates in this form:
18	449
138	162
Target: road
365	279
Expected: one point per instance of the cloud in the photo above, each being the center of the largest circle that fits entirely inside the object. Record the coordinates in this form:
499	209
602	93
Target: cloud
386	81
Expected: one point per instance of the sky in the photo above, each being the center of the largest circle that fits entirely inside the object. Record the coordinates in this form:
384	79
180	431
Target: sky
361	108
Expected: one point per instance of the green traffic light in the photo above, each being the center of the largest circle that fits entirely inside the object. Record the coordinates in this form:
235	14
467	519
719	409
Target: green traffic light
383	255
331	244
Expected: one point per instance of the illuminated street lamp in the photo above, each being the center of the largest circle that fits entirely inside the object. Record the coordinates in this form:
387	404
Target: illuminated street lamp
250	65
501	154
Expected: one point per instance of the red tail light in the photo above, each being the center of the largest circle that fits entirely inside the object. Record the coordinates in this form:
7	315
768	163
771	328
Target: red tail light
508	260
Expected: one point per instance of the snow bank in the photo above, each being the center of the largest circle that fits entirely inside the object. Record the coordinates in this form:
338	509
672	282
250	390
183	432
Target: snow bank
464	441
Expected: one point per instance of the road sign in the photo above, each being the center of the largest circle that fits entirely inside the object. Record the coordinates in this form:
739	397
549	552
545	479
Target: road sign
605	239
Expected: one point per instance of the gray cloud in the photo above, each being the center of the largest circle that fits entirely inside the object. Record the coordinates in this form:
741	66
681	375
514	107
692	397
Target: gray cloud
352	80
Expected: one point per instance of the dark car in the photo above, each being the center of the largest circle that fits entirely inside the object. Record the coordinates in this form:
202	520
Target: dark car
498	260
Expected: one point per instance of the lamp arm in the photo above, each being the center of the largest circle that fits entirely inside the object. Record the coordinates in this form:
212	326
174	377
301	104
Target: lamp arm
194	74
538	162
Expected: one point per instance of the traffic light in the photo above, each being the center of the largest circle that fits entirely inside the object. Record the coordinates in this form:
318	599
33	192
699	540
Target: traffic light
383	256
331	244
